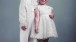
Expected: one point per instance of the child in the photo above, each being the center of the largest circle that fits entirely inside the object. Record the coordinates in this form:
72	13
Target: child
43	25
26	16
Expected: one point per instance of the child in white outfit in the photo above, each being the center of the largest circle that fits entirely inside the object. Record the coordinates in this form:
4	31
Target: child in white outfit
26	9
43	25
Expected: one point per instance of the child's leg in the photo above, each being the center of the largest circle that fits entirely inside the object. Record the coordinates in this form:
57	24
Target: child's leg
24	35
32	40
43	40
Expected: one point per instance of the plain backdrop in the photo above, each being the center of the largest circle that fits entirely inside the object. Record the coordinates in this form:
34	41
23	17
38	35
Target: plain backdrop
65	20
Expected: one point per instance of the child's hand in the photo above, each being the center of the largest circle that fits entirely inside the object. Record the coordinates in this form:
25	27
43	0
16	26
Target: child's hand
51	16
36	31
23	27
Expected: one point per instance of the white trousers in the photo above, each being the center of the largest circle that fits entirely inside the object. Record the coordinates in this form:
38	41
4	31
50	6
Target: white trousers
25	35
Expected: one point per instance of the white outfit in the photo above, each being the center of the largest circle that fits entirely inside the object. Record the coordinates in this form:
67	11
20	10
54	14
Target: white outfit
26	15
46	26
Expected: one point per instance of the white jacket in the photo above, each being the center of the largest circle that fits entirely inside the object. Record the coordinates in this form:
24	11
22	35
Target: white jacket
25	7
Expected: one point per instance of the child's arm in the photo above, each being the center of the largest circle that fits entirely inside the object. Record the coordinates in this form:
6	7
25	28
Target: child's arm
51	14
22	15
36	19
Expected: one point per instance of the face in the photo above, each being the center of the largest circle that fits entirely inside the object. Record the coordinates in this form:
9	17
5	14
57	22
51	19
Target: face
42	1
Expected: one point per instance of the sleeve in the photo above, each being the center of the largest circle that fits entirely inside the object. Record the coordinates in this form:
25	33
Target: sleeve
51	9
22	13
